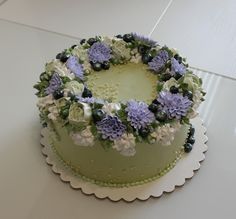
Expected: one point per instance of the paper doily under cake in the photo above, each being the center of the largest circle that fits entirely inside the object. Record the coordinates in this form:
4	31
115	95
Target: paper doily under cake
183	170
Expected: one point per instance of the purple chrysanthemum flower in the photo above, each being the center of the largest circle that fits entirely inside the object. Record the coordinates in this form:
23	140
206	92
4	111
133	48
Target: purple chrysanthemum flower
159	61
111	128
99	52
144	40
54	84
174	105
176	67
73	64
138	114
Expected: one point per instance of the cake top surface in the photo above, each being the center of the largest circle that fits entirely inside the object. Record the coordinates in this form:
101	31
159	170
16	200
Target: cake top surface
119	90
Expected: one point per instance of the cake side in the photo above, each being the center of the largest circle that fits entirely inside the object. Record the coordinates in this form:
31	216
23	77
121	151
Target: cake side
107	167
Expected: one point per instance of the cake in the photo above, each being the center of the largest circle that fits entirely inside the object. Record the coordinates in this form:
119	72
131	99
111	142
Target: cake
118	109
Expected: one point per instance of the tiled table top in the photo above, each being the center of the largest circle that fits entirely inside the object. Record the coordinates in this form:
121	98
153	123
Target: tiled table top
28	188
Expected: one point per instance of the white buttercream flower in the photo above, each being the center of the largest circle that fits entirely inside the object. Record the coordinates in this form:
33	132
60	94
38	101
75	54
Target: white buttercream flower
74	87
53	112
83	138
136	58
111	108
60	68
46	101
125	145
81	53
165	134
168	84
119	50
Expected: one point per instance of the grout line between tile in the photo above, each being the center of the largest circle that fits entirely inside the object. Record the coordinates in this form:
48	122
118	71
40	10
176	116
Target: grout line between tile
160	17
38	28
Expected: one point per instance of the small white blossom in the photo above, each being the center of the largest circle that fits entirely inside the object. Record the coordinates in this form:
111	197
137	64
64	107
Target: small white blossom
83	138
111	108
60	68
165	134
44	102
53	113
125	145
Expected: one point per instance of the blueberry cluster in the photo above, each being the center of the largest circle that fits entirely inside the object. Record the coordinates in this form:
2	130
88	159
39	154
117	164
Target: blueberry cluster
188	146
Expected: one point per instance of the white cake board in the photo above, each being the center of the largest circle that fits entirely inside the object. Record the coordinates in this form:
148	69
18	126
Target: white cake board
183	170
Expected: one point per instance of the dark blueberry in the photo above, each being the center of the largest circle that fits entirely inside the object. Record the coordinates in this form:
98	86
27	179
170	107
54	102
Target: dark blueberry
161	116
57	94
153	107
165	76
143	49
180	59
106	65
97	66
174	90
87	93
191	140
188	147
188	94
72	47
155	101
82	41
146	58
191	131
44	124
119	36
144	132
91	41
64	57
128	38
176	56
58	56
98	115
177	76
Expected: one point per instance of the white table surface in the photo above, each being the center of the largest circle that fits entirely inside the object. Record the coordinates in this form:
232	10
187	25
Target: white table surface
29	189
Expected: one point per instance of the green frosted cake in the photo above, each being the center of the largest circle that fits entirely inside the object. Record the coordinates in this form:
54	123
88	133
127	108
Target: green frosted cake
118	108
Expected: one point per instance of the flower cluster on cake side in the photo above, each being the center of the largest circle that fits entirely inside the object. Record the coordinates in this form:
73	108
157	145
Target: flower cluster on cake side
64	96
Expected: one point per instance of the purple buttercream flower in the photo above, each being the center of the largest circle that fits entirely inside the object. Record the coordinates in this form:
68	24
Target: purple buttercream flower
54	83
159	61
176	67
174	105
99	52
111	127
144	40
138	114
73	64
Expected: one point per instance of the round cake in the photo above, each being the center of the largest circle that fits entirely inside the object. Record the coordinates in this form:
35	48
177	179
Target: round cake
118	109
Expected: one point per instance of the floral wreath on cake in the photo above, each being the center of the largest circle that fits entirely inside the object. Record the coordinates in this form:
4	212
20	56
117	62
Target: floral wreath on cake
64	95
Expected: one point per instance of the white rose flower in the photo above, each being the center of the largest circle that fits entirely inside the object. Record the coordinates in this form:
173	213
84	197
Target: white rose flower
60	68
125	145
111	108
74	87
165	134
83	138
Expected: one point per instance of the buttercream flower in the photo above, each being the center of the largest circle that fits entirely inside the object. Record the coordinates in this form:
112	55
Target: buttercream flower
73	64
174	105
144	40
111	108
119	50
125	145
81	53
44	102
139	115
159	61
137	58
53	112
58	67
99	52
54	84
176	67
79	113
193	82
83	138
111	127
74	87
165	134
168	84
